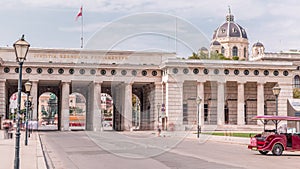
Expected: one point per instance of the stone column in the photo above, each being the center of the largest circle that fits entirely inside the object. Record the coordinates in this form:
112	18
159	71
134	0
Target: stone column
241	104
128	107
200	93
97	116
174	93
221	100
65	112
2	101
93	116
158	102
260	100
34	94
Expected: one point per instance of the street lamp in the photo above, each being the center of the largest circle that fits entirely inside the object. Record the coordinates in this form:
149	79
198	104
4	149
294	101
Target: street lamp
27	89
198	101
276	90
21	48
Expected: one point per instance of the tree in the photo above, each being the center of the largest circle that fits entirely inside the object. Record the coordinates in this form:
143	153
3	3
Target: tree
296	93
194	56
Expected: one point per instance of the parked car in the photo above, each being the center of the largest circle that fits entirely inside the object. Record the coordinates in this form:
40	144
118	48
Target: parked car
273	140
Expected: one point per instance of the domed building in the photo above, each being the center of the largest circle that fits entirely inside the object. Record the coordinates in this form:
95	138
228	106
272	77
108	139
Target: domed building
258	50
230	39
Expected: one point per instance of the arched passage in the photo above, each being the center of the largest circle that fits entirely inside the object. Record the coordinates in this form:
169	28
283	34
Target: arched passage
77	107
136	112
47	112
13	105
107	112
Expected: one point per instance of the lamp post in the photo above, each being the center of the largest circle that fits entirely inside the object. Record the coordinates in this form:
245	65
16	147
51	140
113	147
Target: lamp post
21	48
276	90
27	89
30	115
198	101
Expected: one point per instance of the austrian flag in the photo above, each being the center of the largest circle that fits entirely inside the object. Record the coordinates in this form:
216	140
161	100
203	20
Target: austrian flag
79	13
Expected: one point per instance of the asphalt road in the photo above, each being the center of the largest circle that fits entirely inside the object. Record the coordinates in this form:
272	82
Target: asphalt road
90	150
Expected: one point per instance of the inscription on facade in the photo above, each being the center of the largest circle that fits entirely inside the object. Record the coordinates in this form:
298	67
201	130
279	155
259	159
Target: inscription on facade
66	56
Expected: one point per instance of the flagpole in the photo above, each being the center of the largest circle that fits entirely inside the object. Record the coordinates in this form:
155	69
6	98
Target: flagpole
82	28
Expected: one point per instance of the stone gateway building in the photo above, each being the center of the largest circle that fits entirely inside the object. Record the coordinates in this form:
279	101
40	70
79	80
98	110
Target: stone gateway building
147	89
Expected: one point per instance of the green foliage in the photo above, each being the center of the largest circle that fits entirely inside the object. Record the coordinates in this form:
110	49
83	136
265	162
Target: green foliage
194	56
235	58
213	56
296	93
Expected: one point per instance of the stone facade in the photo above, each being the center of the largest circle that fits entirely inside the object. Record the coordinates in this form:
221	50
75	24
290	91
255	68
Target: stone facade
232	92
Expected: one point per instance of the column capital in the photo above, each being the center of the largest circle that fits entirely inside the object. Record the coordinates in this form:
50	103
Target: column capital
260	83
158	83
65	81
241	82
221	82
98	82
200	81
33	81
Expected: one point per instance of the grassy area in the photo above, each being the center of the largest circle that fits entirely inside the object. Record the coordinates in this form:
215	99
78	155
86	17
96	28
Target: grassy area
232	134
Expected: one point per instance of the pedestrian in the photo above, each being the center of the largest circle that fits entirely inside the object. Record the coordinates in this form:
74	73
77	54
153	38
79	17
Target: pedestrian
158	131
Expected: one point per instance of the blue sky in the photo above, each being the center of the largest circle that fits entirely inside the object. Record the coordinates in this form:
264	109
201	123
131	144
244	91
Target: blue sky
51	23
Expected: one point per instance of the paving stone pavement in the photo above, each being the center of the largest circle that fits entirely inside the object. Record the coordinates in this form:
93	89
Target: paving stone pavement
31	156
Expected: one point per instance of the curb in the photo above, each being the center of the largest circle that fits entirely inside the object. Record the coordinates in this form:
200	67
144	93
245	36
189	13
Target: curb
41	159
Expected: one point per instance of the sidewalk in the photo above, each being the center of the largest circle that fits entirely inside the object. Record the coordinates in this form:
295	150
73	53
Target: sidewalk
31	156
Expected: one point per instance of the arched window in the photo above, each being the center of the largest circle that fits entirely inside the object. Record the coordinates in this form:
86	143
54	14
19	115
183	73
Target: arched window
223	50
245	52
234	51
297	81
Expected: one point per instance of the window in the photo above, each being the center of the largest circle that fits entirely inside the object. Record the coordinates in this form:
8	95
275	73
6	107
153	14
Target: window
39	70
82	71
60	71
185	71
92	71
195	71
206	71
175	70
205	112
297	81
234	51
113	72
103	72
50	70
6	69
226	71
28	70
216	71
276	73
245	52
123	72
223	50
154	73
236	72
134	72
144	73
185	113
